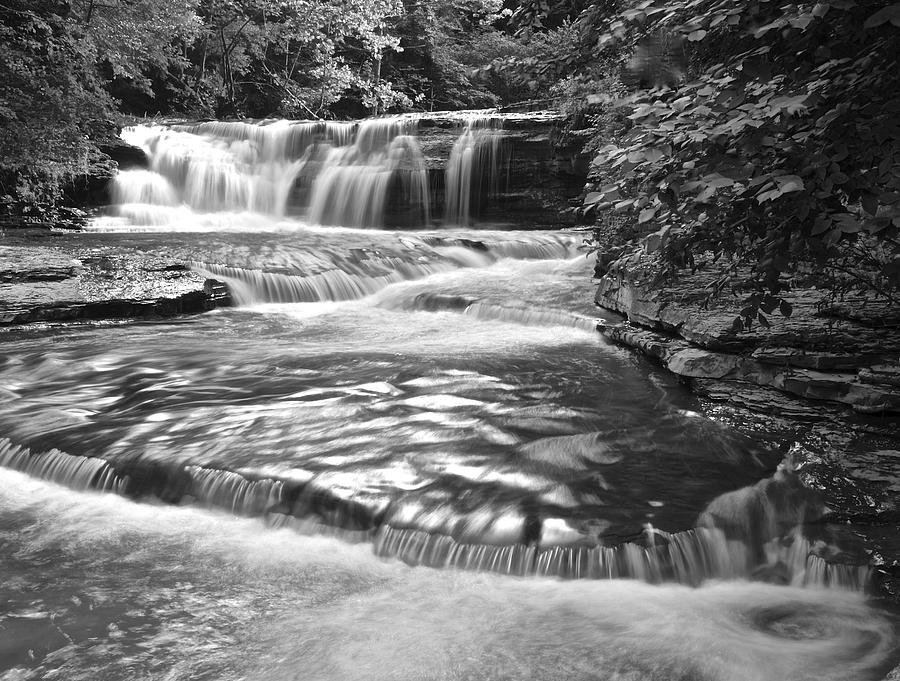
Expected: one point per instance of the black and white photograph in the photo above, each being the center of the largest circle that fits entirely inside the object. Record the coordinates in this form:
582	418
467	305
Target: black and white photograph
449	340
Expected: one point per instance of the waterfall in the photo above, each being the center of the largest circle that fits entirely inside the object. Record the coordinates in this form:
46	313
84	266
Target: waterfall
354	185
336	174
473	169
365	174
505	541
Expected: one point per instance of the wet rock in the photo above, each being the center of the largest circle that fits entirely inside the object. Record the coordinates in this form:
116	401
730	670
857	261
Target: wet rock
48	284
813	354
697	363
30	264
125	155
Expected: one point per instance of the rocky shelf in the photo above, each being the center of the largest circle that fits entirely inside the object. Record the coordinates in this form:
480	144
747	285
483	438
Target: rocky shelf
46	283
846	352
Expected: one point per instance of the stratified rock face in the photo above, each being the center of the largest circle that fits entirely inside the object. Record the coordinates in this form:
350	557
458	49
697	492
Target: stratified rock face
41	284
845	354
92	188
539	172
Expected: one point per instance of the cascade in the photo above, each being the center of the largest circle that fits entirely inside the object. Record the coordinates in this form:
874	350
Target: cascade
349	174
355	181
473	168
481	541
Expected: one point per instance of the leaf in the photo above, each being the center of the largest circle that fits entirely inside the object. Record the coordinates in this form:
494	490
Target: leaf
653	155
802	21
769	304
656	241
789	183
592	198
785	308
695	36
848	223
869	203
769	195
646	215
882	16
793	105
838	178
716	181
705	195
762	319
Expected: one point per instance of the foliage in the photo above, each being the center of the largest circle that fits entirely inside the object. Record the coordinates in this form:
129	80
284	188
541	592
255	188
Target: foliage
445	44
132	38
778	145
51	105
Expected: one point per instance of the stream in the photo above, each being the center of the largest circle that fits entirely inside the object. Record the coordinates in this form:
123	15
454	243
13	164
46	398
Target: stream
405	453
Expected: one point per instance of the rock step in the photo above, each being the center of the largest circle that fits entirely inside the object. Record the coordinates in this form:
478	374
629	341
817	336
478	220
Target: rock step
871	390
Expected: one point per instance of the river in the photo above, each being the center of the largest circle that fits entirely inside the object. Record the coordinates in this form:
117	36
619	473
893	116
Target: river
404	454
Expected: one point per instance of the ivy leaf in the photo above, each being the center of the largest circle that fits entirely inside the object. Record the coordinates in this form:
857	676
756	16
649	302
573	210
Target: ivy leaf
793	105
848	223
789	183
869	203
882	16
769	304
646	215
785	308
769	195
715	180
653	155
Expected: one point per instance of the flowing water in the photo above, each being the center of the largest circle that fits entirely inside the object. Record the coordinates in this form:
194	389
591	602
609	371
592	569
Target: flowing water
402	455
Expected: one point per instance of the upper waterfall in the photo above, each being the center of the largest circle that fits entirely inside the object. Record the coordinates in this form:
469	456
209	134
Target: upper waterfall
330	173
411	170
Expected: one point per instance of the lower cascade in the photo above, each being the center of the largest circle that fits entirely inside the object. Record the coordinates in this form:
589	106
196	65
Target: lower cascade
402	451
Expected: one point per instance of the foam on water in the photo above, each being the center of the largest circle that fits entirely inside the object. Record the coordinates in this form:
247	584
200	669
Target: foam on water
184	592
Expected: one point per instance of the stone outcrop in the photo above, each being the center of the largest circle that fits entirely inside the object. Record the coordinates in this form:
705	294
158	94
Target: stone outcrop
92	187
47	284
819	352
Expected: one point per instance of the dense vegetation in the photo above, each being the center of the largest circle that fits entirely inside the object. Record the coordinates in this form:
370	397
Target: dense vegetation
764	135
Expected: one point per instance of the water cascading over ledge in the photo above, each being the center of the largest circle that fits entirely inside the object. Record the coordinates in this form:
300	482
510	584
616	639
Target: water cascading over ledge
398	171
479	541
474	169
